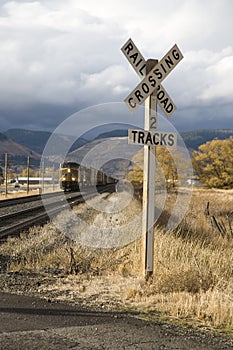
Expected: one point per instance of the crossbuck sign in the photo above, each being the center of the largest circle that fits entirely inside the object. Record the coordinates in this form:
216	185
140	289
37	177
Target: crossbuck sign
150	90
152	81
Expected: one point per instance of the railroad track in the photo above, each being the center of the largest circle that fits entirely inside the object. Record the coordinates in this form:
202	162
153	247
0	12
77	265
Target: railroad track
16	221
22	200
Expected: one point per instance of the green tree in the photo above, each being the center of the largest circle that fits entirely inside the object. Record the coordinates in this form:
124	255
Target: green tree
213	163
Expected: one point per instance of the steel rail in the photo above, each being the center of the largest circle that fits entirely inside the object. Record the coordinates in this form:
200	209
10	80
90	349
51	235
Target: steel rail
42	214
25	199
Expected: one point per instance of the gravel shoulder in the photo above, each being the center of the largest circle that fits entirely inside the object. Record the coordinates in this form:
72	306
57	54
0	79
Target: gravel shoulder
32	323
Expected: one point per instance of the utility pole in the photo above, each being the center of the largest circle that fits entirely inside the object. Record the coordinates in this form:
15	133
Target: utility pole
28	173
6	174
42	175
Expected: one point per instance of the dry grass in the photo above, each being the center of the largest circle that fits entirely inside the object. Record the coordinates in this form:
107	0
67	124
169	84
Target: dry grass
16	193
193	267
192	280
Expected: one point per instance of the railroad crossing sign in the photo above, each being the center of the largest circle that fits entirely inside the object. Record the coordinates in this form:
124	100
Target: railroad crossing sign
152	80
152	92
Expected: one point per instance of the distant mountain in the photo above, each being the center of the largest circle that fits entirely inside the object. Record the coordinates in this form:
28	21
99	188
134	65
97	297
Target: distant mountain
17	153
33	142
110	154
37	140
113	133
107	129
193	139
3	137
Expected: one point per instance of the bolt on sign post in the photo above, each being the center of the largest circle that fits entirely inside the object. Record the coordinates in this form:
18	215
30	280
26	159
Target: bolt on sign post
150	91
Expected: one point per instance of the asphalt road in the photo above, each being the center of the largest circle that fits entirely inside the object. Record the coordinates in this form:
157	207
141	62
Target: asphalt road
32	323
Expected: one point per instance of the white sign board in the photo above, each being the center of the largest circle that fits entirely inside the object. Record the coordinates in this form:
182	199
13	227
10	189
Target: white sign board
152	81
137	61
134	57
164	100
149	138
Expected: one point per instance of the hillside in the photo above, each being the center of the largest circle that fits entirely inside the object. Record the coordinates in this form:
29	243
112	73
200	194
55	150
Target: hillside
32	143
193	139
114	133
36	140
17	153
110	154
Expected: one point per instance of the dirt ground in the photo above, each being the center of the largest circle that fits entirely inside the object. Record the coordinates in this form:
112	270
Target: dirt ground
15	193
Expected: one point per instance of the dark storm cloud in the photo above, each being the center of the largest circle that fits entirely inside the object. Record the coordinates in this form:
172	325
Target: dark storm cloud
58	57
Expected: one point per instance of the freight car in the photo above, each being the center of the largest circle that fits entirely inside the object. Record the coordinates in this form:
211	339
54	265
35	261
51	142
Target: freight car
73	176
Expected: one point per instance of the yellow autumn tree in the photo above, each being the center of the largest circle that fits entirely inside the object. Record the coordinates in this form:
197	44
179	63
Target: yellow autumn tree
213	163
136	172
32	172
168	164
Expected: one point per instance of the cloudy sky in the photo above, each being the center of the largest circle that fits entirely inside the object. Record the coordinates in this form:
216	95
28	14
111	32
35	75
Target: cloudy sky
57	57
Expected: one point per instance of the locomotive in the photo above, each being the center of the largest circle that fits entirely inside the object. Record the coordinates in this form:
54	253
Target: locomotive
69	180
73	176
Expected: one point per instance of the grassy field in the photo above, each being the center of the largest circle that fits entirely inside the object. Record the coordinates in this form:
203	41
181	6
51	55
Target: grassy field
193	266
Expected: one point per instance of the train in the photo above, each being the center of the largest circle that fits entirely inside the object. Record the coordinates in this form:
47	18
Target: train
1	176
74	176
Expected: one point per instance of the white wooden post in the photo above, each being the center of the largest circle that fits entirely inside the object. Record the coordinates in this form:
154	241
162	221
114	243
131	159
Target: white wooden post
150	124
